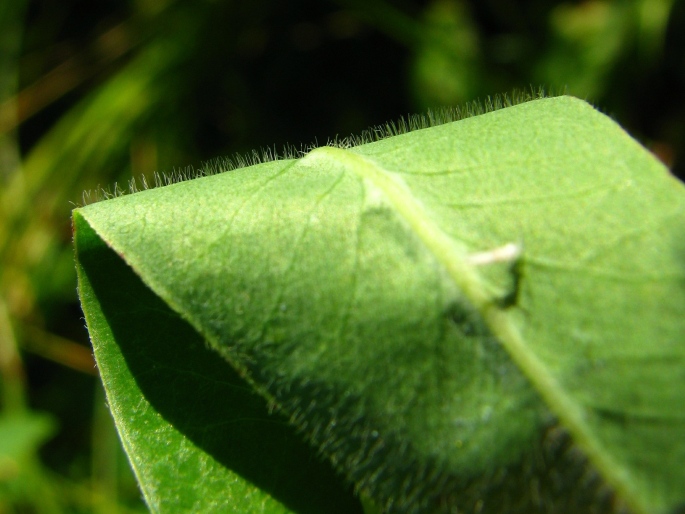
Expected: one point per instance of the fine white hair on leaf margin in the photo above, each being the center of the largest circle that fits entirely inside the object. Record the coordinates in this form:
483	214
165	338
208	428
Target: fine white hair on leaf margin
403	125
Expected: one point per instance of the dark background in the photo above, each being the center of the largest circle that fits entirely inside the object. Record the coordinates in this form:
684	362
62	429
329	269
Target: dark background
97	92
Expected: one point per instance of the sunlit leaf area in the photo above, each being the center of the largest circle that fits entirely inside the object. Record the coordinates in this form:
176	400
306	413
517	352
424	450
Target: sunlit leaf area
100	97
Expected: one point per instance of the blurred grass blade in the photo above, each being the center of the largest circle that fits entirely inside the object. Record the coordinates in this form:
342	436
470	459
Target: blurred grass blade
484	315
11	32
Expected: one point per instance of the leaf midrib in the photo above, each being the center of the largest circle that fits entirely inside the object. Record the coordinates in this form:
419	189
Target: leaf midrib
453	256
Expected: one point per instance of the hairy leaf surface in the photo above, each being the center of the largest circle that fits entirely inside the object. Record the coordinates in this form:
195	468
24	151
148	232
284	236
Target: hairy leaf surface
485	315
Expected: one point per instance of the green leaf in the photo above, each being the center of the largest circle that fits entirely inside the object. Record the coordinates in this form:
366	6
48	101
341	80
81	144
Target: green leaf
485	315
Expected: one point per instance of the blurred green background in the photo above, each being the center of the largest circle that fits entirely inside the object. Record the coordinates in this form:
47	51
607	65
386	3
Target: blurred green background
97	92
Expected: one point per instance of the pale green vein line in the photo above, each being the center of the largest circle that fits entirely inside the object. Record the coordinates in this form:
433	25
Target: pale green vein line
652	224
609	274
520	200
453	256
295	247
478	167
347	310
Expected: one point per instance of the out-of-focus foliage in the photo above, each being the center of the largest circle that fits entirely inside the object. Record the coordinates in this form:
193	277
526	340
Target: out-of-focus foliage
95	92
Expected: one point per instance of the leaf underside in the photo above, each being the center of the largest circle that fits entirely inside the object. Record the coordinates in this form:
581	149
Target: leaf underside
341	287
